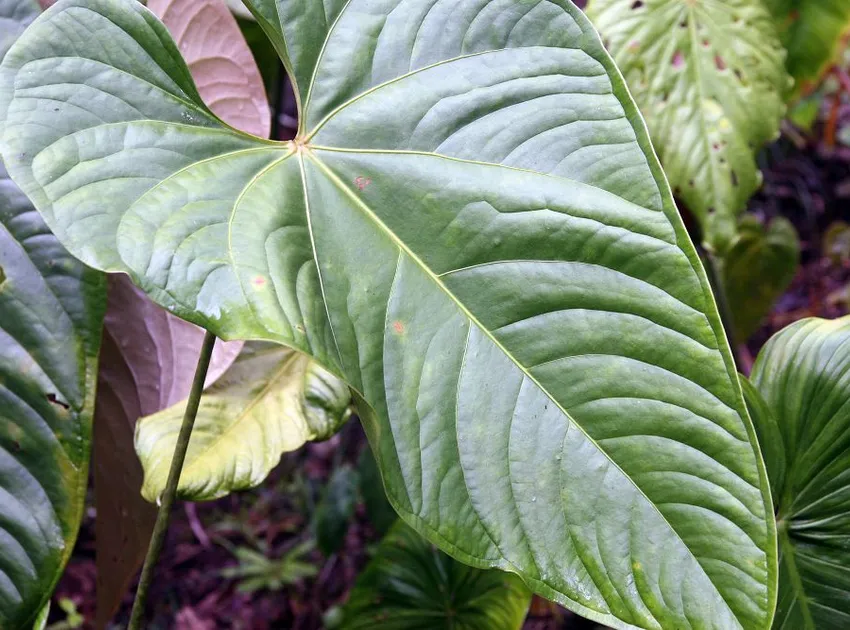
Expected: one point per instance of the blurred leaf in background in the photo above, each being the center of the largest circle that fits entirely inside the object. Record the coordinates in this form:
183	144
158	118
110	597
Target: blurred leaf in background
757	269
709	79
378	509
335	509
256	571
410	585
836	242
814	32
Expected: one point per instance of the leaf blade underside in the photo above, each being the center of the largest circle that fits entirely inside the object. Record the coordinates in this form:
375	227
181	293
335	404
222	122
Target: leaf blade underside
392	243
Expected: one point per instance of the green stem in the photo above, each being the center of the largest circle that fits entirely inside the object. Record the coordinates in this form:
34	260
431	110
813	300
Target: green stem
713	271
167	500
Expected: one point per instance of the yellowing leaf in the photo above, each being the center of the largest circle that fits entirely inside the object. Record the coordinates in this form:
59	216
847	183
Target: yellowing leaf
271	401
147	363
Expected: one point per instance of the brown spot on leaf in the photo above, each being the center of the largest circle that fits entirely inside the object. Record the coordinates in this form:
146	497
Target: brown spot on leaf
259	282
398	327
361	182
53	399
678	59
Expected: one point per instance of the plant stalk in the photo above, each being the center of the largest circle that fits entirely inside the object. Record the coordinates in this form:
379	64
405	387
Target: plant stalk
167	500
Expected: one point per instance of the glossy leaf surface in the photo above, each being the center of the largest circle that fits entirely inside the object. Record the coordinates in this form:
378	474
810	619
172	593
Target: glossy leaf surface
757	269
709	78
803	374
472	230
409	585
271	401
51	310
147	362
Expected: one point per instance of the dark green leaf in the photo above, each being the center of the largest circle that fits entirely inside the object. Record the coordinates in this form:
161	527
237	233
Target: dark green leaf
409	585
757	269
814	32
51	310
472	231
803	374
378	510
335	509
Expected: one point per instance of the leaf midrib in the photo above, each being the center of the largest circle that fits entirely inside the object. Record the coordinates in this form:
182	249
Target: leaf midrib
255	400
336	181
790	560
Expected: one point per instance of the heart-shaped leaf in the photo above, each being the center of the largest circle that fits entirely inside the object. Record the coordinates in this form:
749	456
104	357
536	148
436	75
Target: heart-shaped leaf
272	400
51	309
147	363
814	32
757	269
709	78
803	374
471	229
409	585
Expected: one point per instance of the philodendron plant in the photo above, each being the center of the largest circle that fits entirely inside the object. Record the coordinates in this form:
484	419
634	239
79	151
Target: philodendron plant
472	231
799	399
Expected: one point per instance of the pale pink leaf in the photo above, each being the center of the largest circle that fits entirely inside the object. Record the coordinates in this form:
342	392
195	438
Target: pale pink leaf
147	362
220	61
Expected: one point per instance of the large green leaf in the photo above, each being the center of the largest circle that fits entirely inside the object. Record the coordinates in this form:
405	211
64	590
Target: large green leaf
409	585
813	32
51	309
271	401
803	374
472	230
709	78
757	269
